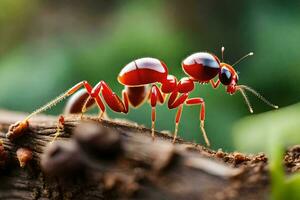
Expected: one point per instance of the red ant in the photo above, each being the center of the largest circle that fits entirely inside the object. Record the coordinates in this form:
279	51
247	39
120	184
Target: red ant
139	74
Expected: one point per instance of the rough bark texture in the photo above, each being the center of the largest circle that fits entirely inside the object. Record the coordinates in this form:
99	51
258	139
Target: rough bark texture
135	167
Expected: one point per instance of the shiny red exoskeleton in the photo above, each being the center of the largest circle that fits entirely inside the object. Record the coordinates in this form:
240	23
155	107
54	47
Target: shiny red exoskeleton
148	79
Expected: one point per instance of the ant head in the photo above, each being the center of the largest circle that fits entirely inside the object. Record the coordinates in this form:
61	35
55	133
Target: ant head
229	77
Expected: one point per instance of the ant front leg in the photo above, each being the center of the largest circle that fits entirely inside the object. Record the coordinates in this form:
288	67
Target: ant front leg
200	101
155	95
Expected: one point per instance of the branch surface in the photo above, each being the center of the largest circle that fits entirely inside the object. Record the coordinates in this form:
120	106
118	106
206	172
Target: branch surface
121	163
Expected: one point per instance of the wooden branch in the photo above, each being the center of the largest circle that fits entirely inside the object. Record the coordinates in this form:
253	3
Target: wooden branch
117	159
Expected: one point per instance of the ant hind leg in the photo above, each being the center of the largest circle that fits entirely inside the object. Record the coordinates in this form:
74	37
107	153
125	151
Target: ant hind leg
18	128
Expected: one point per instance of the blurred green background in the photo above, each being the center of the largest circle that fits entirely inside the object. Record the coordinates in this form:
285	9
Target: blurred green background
47	46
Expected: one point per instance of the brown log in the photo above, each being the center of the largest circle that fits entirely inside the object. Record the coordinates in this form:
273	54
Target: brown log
121	163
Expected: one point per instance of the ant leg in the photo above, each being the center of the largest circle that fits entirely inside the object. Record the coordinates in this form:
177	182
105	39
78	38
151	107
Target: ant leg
125	101
59	128
103	113
75	103
84	107
215	84
177	120
19	127
155	95
153	118
100	105
174	103
200	101
81	101
112	100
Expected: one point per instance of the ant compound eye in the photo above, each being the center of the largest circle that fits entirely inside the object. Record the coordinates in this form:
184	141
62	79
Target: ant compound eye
225	76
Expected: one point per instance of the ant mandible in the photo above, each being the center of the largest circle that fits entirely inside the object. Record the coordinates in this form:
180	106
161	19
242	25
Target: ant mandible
136	76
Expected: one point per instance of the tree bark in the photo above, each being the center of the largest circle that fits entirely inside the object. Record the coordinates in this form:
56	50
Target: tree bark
137	168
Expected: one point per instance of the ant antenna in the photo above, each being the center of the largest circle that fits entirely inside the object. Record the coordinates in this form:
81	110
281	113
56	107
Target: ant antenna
242	58
222	50
242	89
